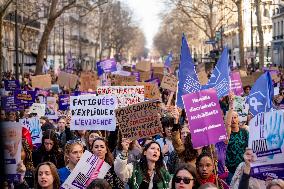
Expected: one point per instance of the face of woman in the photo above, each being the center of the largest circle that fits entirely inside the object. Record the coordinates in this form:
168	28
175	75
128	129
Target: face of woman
48	144
235	119
184	180
153	152
75	154
92	137
99	149
205	167
45	178
184	132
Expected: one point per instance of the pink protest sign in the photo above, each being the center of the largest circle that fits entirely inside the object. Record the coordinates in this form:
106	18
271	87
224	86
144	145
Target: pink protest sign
236	83
204	117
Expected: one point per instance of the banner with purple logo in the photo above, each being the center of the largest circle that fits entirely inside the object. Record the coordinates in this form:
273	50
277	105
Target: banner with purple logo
266	139
106	66
11	85
64	102
24	97
204	117
236	83
137	76
8	104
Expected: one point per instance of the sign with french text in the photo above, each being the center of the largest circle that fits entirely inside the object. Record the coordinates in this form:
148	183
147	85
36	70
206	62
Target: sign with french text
67	80
41	81
24	97
106	66
64	102
169	82
11	85
236	83
151	90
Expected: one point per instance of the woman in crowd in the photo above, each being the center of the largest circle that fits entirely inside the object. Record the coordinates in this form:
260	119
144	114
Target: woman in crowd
92	135
276	184
205	165
46	176
149	172
72	153
49	150
185	177
100	149
99	184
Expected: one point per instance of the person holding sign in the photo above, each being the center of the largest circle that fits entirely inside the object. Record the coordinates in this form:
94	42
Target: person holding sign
149	172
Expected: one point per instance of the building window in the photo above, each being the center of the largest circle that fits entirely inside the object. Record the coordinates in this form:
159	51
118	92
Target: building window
278	28
281	28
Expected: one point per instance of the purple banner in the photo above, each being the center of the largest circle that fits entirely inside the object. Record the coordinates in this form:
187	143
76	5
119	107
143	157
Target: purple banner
204	117
24	97
64	102
236	83
11	85
106	66
137	76
8	104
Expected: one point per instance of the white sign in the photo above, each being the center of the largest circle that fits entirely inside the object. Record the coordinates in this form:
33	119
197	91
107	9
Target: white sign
37	108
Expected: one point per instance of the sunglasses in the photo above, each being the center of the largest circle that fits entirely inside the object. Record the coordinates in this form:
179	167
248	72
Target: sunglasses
185	180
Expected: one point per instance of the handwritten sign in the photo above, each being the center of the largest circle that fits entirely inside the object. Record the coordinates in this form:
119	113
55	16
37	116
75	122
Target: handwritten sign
204	117
88	81
169	82
139	120
126	95
143	66
67	80
41	81
151	89
116	80
11	85
90	112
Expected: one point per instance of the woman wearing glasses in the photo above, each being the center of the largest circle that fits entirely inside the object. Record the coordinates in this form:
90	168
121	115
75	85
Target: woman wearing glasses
184	178
149	172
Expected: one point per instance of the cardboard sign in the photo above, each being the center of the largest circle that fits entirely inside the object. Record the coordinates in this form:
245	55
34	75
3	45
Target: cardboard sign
33	125
143	66
11	136
266	133
51	108
169	82
88	81
204	117
158	68
89	168
151	89
126	95
145	76
116	80
11	85
139	120
41	81
24	97
37	108
67	80
90	112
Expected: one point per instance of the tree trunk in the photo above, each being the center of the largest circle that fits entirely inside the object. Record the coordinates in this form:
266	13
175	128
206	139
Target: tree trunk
42	45
239	4
260	33
1	45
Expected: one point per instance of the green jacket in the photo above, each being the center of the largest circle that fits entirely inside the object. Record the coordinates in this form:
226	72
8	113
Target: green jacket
137	178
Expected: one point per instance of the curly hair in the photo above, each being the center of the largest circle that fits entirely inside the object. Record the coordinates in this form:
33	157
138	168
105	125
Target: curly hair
28	162
143	163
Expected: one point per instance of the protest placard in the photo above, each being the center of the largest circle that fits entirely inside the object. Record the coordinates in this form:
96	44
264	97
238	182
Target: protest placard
41	81
67	80
145	76
11	135
51	108
88	81
236	83
90	112
11	85
55	88
151	90
139	120
8	104
33	125
126	95
158	75
24	97
89	168
266	135
169	82
37	108
143	66
241	107
106	66
204	117
116	80
64	102
137	76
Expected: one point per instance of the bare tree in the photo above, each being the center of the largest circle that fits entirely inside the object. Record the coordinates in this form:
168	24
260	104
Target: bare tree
260	32
4	5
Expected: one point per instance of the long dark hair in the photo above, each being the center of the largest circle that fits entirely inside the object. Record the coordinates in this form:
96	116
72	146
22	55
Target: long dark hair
189	152
108	157
158	165
53	169
50	134
187	167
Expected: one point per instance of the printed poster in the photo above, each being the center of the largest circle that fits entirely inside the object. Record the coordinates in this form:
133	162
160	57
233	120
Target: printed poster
126	95
89	168
139	120
24	97
64	102
11	85
236	83
33	125
106	66
204	117
37	108
12	137
266	137
90	112
51	108
241	107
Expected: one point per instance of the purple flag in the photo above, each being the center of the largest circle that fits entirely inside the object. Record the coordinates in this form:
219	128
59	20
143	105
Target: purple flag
70	63
236	83
204	117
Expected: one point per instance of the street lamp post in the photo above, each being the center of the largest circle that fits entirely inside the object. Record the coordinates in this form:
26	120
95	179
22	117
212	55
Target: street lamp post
251	44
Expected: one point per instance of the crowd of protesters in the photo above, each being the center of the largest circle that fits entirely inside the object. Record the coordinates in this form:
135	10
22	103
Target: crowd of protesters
156	162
